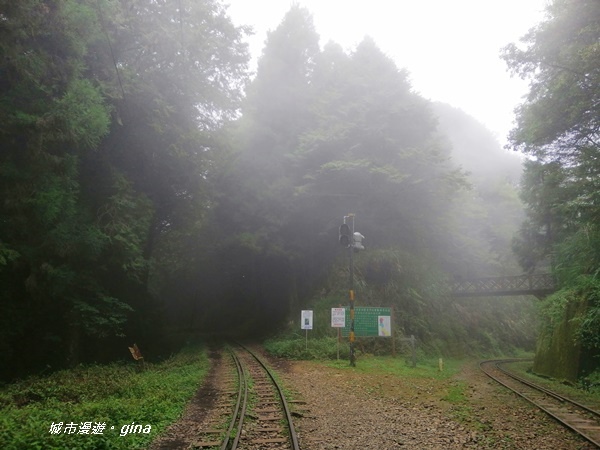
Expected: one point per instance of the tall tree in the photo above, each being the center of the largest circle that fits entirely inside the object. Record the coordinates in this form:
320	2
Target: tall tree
343	133
559	121
107	111
255	197
558	126
374	146
279	96
52	115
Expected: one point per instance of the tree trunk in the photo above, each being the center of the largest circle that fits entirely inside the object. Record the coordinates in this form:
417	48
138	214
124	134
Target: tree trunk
73	344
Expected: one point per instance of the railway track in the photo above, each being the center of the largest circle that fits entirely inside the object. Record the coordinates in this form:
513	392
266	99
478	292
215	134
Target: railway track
250	410
582	419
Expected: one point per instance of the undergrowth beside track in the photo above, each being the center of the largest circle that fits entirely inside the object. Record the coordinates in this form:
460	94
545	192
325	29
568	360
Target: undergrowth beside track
116	406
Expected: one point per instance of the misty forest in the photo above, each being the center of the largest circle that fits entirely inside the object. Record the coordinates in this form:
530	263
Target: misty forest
154	188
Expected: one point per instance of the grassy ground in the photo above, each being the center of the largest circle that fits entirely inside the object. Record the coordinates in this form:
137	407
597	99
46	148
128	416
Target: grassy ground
99	407
400	367
590	397
119	407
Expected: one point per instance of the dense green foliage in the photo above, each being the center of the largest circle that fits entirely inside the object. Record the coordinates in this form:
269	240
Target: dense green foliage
107	111
558	128
114	395
151	192
327	133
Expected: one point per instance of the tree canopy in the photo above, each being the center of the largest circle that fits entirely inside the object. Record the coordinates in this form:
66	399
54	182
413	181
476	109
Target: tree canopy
557	126
107	111
558	123
151	189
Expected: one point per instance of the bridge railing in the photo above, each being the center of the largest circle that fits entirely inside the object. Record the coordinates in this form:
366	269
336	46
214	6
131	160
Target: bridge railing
534	284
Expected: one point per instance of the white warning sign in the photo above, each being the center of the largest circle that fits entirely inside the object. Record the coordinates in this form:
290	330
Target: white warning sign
338	317
306	322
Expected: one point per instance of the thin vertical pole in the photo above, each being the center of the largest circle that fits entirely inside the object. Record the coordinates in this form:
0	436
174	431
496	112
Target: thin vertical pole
306	330
351	294
339	336
393	334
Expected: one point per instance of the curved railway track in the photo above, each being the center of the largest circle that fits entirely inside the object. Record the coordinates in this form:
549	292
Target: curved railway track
582	419
251	411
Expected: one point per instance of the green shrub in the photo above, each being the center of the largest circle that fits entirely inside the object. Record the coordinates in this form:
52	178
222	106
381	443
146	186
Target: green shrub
312	349
591	383
115	395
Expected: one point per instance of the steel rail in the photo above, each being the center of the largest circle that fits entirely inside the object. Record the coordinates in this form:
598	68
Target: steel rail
290	424
587	427
238	414
545	390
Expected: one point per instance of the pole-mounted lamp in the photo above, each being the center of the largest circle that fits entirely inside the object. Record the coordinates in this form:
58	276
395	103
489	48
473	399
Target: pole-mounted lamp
352	240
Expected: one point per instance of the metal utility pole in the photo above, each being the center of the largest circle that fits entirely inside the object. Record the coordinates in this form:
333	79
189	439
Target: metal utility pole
351	297
347	239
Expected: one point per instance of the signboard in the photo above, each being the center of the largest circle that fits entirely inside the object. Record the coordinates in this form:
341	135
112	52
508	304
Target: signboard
369	321
306	320
338	317
385	326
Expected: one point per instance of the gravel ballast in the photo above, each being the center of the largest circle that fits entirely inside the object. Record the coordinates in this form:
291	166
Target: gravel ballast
349	410
338	407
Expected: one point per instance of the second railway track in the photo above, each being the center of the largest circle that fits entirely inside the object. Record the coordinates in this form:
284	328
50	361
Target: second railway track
580	418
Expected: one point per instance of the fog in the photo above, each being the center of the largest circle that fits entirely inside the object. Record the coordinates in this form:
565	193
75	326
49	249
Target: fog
158	189
451	49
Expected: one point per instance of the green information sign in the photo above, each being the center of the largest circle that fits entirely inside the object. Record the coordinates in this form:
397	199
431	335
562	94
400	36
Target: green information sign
369	321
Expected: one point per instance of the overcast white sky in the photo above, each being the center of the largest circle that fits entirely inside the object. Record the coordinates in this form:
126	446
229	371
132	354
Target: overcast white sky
450	47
